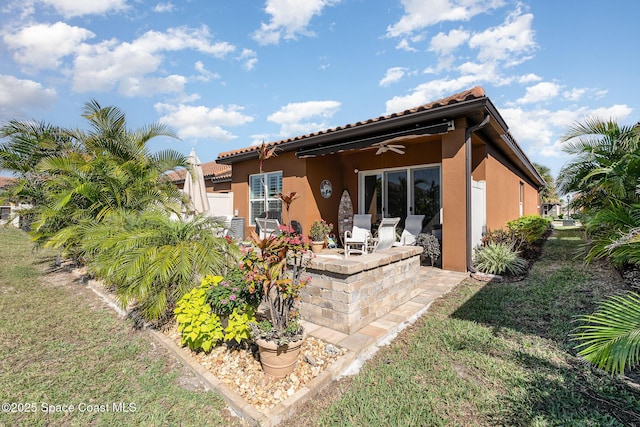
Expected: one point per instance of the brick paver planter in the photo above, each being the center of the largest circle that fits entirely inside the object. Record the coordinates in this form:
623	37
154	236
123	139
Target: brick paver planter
348	294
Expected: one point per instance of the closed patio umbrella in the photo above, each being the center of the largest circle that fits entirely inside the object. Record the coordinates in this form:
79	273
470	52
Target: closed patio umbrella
194	186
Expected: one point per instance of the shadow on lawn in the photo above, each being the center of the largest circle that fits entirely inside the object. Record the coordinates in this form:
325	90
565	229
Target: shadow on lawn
568	393
557	388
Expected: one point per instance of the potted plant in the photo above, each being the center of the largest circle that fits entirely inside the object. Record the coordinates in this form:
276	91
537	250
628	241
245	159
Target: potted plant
276	266
431	246
318	234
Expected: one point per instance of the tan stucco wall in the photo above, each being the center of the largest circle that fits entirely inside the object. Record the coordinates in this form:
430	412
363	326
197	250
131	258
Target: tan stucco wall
454	213
503	189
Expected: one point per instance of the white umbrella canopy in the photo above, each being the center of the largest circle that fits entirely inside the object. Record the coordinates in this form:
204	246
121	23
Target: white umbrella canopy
194	186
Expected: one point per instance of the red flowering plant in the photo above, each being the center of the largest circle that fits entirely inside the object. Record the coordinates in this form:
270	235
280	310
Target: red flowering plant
276	266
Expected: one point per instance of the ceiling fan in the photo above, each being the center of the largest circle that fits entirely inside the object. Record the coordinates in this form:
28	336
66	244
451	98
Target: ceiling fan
384	146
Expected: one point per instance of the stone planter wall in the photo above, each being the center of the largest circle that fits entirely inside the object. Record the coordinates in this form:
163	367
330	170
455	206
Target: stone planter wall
348	294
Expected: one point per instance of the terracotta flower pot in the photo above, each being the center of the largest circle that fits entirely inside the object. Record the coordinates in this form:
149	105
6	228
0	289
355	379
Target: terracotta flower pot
317	246
278	361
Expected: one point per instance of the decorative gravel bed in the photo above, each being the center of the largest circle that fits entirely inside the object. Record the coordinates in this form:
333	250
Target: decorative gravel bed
240	370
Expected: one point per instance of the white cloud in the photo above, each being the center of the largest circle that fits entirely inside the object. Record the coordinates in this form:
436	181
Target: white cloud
497	47
295	118
404	45
288	19
618	112
109	64
182	38
43	46
539	129
201	121
204	75
542	92
148	86
164	7
393	75
430	91
444	44
420	14
16	95
250	59
70	8
529	78
509	42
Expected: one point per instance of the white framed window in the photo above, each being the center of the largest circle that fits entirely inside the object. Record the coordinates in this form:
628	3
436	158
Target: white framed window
273	185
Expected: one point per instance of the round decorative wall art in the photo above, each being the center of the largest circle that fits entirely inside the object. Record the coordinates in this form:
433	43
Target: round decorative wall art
326	189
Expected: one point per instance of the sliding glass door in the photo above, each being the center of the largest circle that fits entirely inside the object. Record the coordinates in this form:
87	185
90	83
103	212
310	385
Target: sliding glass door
395	195
426	196
401	192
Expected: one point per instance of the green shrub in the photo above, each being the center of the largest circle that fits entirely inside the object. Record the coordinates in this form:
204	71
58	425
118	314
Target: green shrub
502	236
529	228
499	258
238	327
200	328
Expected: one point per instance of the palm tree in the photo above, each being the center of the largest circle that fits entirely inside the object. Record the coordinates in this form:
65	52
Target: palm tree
606	165
605	175
113	171
549	194
152	261
25	144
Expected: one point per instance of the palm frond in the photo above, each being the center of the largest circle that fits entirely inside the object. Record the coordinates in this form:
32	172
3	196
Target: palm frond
610	337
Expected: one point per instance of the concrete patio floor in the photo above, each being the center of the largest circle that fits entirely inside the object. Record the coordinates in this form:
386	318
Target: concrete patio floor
361	345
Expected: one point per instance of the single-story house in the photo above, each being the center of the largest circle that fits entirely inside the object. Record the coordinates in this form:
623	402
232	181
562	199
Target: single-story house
217	177
452	160
217	181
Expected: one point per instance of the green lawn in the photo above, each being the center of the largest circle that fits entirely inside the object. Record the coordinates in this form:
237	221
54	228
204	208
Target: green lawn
59	345
491	354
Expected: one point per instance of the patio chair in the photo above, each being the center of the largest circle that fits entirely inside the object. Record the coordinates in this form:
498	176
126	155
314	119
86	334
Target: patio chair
358	239
412	227
386	234
267	227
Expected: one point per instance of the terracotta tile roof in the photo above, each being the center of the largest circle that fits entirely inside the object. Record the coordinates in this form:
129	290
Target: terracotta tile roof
6	180
474	93
211	170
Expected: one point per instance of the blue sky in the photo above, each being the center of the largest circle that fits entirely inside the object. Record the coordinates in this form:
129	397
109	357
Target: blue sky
228	74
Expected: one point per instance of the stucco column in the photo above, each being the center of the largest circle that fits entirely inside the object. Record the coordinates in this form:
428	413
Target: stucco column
454	212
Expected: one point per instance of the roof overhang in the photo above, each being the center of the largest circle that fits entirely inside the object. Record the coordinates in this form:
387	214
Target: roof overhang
429	129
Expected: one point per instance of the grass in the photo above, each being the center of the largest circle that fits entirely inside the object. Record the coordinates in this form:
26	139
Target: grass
59	345
491	354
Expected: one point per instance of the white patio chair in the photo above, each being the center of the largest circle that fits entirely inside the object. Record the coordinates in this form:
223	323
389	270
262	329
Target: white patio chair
359	238
412	227
386	234
267	227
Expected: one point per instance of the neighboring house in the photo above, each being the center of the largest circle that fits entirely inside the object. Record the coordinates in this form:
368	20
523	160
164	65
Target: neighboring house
551	209
217	178
7	207
452	160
